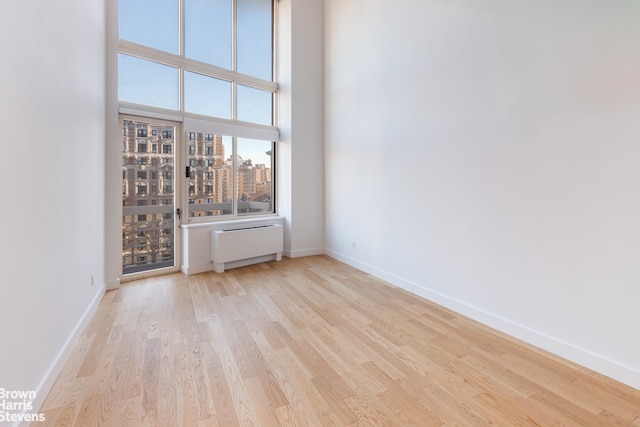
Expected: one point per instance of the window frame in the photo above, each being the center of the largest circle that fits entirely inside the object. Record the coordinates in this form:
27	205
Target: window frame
235	213
196	123
185	64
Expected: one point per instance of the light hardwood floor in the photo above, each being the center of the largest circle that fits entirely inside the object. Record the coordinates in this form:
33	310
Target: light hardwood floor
311	341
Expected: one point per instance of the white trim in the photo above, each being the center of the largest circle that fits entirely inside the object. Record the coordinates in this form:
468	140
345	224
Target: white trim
55	368
303	253
113	284
206	221
236	223
197	123
147	112
584	357
113	154
245	130
144	52
196	269
155	272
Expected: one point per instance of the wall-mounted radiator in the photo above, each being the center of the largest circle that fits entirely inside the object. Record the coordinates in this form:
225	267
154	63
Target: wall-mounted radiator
244	246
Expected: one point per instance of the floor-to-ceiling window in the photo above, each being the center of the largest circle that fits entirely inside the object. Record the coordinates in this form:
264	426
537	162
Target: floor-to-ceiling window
196	95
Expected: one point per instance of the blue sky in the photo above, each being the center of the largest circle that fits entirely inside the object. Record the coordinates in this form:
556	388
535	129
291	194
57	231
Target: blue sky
208	38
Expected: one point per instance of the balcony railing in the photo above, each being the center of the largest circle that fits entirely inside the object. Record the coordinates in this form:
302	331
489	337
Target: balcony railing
146	244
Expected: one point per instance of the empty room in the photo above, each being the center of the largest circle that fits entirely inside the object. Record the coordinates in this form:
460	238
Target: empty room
320	212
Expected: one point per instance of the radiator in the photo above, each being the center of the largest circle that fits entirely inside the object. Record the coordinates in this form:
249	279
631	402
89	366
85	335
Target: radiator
244	246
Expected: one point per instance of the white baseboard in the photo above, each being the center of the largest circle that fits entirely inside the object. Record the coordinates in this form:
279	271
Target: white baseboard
52	373
196	269
113	284
584	357
303	252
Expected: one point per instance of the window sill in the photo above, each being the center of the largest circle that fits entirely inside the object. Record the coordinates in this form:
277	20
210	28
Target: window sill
236	223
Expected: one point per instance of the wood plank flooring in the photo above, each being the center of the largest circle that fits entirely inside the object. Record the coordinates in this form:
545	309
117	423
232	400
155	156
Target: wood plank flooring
311	341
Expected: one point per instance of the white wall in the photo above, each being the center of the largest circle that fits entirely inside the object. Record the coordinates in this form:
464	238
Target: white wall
485	154
300	167
112	154
52	111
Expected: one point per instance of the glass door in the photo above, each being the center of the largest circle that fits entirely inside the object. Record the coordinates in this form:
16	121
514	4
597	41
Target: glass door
149	221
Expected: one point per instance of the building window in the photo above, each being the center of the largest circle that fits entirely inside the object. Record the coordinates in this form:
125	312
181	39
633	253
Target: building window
142	133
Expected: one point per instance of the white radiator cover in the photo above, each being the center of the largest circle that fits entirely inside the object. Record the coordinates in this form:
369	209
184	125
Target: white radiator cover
244	246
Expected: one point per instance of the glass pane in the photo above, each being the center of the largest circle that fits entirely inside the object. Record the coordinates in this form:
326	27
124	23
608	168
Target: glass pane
153	24
208	31
254	176
254	105
206	95
148	183
210	183
255	38
146	82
